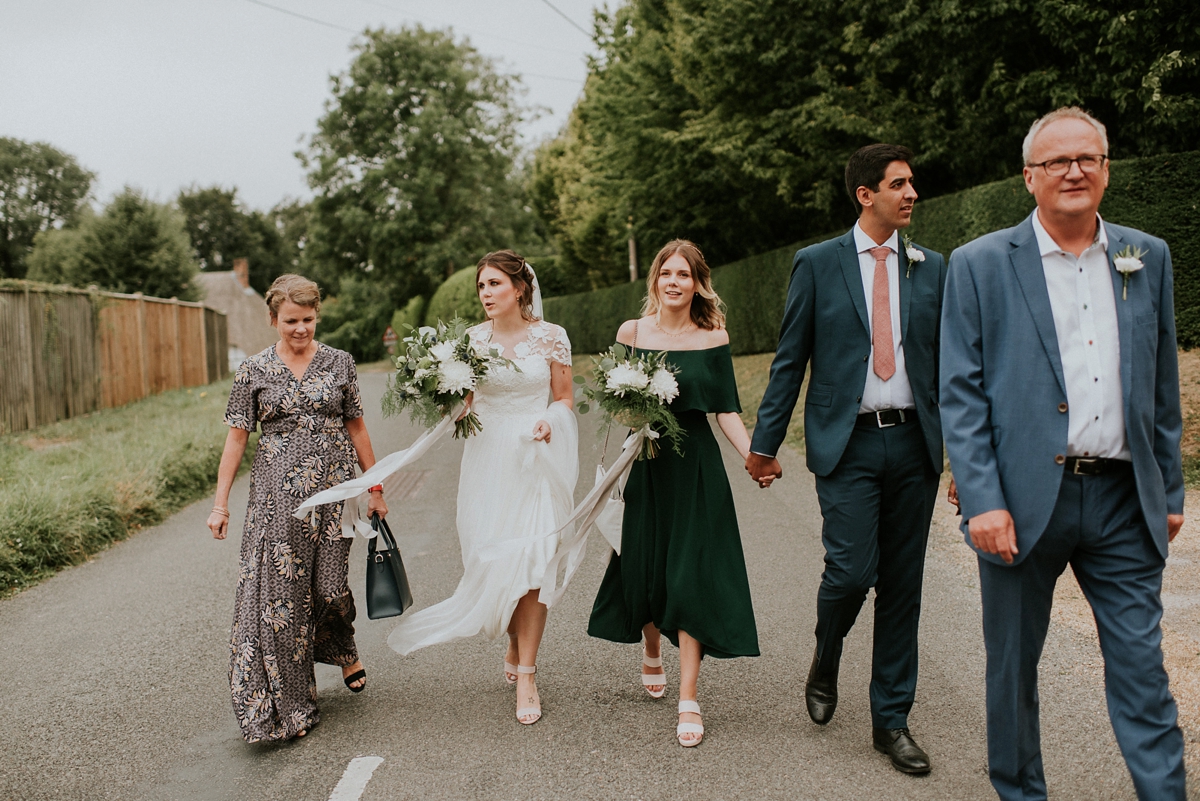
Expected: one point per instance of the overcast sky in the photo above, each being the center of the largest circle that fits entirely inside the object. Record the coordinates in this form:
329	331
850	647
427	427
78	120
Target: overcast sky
161	94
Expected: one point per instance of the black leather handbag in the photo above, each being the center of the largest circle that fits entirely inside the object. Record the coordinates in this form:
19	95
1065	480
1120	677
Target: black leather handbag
388	593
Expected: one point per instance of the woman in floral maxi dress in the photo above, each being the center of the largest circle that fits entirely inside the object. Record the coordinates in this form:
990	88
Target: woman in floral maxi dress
293	606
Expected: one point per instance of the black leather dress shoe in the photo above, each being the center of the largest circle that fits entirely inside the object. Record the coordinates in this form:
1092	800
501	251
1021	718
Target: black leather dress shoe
907	756
820	692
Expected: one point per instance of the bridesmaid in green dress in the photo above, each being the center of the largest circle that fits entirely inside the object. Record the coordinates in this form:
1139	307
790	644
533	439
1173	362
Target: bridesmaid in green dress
681	571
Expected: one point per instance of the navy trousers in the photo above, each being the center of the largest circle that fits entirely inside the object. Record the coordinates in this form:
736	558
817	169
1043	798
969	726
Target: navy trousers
876	505
1097	527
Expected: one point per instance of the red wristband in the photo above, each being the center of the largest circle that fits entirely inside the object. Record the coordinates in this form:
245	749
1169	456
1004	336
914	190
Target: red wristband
376	488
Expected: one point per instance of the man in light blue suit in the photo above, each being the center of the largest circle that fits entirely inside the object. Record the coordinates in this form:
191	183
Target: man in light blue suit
1060	410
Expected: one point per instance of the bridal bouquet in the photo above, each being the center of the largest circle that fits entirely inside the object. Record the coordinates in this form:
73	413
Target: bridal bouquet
439	368
633	392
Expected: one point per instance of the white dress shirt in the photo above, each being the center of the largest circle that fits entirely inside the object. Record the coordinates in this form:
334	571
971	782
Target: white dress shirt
895	393
1089	343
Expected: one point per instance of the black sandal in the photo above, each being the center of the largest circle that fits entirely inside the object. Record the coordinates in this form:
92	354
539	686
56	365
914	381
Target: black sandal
353	677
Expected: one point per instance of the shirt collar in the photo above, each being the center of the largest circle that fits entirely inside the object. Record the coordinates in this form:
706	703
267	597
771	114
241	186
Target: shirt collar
863	243
1047	245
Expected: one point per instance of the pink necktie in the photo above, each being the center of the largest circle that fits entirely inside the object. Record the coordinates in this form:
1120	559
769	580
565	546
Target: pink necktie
881	318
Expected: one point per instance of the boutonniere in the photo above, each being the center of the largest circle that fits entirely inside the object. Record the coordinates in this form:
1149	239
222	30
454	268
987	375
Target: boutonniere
913	253
1128	262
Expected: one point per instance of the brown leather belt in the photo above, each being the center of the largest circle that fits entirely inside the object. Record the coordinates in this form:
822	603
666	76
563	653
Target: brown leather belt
885	418
1094	465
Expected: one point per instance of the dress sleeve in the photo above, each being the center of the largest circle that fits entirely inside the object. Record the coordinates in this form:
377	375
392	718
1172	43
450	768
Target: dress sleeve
723	390
561	349
242	409
352	407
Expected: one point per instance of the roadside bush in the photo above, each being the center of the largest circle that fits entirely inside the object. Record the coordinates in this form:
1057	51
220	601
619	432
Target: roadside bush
1156	194
412	314
356	319
456	297
73	488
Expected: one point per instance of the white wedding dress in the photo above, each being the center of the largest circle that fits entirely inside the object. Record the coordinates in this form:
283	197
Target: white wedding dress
513	494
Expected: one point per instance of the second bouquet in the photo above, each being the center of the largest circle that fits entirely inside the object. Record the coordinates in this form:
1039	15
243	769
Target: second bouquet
634	391
440	367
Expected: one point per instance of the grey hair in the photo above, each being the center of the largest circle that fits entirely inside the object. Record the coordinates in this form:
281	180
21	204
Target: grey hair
1066	112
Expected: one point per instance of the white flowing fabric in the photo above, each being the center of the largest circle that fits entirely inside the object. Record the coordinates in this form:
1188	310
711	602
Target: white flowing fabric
514	494
382	472
592	510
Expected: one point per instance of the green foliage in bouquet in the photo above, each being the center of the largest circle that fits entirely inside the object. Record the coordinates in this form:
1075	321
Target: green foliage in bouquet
634	391
439	368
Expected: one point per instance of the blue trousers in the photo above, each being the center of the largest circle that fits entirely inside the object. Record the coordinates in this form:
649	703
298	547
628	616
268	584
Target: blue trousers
876	506
1098	529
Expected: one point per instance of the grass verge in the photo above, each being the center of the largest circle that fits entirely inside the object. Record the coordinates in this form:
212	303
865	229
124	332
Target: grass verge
73	488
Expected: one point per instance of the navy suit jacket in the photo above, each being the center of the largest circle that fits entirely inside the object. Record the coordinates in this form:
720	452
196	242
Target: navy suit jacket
1003	397
825	321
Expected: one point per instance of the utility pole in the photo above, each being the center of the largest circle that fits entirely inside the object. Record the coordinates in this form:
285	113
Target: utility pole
632	251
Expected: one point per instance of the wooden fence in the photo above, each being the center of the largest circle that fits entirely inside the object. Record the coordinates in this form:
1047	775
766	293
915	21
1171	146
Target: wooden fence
68	352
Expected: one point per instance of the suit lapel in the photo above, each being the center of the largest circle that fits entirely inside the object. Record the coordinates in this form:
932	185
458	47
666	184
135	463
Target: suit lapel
905	289
1026	261
853	275
1124	315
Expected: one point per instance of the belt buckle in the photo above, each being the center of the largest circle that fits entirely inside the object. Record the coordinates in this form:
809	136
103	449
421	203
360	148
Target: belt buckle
879	419
1085	462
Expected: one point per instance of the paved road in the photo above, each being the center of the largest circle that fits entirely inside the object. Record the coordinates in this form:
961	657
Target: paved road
115	682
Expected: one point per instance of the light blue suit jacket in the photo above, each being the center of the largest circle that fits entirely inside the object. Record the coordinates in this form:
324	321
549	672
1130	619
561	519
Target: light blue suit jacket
1003	397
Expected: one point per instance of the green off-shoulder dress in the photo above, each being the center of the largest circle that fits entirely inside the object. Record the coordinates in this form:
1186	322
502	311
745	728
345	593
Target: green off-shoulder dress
681	564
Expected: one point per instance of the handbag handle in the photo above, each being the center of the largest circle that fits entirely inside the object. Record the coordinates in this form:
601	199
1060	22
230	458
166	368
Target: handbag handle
380	526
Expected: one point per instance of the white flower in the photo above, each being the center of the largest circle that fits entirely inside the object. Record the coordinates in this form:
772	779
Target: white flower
1127	264
913	253
664	385
455	377
625	377
443	351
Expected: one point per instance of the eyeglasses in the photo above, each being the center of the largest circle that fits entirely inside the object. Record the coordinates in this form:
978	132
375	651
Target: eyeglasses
1062	166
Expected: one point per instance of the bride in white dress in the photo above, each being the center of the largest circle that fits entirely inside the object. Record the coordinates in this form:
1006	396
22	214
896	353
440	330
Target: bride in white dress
516	485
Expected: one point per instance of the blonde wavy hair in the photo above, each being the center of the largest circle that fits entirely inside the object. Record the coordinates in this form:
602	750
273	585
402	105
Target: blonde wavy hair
297	289
708	311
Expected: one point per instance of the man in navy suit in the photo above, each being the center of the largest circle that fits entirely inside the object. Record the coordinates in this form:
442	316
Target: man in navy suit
864	309
1060	406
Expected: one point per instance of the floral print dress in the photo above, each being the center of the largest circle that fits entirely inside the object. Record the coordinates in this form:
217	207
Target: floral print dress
293	605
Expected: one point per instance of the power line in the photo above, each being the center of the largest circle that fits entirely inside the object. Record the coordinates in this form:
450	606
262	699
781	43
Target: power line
497	37
574	24
302	16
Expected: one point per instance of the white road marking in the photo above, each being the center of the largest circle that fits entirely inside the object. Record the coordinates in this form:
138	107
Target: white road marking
355	779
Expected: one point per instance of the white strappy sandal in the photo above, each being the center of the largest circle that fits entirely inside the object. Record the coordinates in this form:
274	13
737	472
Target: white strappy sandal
689	728
653	679
510	670
527	711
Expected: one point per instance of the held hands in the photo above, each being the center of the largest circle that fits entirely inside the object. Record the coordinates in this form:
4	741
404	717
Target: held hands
993	532
541	432
763	469
952	495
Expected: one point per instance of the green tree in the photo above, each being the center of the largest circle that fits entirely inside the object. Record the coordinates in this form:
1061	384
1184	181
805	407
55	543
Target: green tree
729	121
412	165
41	188
221	229
134	245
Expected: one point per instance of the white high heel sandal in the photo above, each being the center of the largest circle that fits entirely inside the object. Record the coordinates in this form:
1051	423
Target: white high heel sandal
527	711
653	679
689	728
510	670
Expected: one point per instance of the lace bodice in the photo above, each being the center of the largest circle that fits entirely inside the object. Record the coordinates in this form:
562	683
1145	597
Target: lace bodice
525	391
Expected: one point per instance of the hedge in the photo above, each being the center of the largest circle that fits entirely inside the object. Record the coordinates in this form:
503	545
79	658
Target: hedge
1157	194
456	297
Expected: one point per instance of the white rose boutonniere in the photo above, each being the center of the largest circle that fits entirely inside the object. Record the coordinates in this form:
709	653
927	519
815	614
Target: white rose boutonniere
1128	262
914	255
